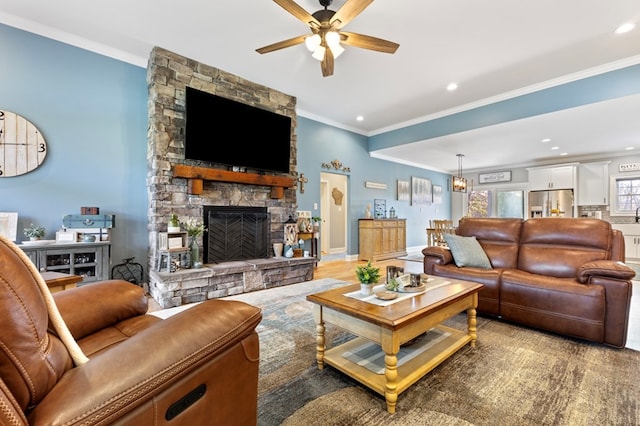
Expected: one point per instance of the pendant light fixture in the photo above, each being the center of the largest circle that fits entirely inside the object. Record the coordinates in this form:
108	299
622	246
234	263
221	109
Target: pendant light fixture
459	184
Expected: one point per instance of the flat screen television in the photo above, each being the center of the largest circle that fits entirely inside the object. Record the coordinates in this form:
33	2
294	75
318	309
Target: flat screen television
223	131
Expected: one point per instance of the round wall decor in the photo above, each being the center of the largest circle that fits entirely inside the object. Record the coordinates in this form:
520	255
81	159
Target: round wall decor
22	147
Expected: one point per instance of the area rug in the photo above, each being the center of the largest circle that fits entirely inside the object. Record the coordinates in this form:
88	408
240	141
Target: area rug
515	376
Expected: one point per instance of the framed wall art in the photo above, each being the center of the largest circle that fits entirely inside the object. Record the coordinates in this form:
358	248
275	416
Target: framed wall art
9	225
404	191
495	177
421	191
437	194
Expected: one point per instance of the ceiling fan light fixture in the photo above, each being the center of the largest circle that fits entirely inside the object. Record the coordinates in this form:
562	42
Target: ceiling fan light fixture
319	53
336	50
332	38
312	42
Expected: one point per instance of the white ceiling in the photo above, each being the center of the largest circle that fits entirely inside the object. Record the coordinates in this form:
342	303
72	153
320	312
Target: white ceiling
493	49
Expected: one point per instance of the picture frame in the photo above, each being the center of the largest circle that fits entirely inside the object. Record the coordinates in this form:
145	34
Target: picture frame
437	194
404	190
9	225
495	177
421	191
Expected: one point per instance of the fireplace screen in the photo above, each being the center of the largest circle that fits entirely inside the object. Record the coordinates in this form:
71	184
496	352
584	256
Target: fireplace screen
236	233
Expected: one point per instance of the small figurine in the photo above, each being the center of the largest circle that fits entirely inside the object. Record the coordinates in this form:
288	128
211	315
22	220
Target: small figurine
367	213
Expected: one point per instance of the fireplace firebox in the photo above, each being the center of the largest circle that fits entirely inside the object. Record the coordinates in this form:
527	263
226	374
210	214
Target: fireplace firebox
235	233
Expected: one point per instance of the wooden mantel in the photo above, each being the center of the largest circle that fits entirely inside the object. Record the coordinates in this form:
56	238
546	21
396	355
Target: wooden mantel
198	174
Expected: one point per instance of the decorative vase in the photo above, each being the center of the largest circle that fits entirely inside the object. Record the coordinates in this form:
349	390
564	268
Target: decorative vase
194	249
277	249
366	289
289	252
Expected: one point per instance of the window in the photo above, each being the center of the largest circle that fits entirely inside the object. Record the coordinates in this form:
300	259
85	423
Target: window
625	195
479	203
508	203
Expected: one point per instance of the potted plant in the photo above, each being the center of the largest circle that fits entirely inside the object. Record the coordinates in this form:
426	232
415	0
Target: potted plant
367	276
34	232
316	222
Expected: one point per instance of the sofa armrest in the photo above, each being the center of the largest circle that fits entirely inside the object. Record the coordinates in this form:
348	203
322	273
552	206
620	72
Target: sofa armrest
436	255
92	307
141	371
604	269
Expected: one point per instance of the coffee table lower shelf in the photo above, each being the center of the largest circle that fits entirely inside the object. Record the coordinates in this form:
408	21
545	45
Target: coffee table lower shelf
409	372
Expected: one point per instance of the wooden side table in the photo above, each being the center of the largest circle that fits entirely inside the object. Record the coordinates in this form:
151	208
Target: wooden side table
57	281
314	241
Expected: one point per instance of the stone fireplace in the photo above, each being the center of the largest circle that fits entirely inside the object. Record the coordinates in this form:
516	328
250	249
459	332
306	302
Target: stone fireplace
188	188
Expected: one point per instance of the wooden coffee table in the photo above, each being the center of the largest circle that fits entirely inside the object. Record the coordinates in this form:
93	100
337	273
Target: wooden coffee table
390	327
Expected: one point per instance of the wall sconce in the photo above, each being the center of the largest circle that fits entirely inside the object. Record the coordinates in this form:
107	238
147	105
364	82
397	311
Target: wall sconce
458	183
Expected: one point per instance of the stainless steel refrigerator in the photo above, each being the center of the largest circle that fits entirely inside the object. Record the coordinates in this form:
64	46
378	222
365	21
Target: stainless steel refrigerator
554	203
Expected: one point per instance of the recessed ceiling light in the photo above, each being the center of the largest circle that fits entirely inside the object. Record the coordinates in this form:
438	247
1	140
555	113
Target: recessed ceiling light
359	118
555	147
625	28
545	140
452	86
563	153
630	148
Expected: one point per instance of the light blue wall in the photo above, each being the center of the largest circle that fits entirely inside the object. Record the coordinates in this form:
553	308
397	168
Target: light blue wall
319	143
92	112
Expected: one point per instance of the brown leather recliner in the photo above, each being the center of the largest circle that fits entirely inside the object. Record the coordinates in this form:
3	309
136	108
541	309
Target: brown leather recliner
197	367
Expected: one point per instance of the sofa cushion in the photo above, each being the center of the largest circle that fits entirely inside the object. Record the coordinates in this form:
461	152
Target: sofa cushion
557	247
467	251
489	296
499	238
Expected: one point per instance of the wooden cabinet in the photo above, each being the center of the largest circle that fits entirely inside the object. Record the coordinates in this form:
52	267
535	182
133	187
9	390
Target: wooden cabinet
88	260
631	232
593	184
381	239
558	177
631	247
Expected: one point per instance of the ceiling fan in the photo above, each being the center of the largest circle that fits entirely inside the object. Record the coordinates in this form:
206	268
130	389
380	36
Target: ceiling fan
326	25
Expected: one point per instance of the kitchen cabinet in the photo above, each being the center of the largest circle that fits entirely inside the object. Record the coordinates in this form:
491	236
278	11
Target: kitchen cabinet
557	177
631	234
632	247
593	184
88	260
381	239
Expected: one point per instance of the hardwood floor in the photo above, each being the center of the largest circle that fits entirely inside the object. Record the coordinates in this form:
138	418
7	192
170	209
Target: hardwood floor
346	269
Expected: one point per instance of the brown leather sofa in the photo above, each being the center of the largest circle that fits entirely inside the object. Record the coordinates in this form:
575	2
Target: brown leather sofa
197	367
564	275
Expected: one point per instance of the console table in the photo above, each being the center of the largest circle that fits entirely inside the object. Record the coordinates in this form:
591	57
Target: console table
382	239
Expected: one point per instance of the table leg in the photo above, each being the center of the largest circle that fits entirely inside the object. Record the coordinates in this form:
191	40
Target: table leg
471	326
320	340
390	385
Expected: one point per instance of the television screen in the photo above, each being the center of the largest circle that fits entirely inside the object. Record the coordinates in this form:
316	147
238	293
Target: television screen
223	131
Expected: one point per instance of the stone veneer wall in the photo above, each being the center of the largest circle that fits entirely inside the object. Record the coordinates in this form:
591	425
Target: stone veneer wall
167	76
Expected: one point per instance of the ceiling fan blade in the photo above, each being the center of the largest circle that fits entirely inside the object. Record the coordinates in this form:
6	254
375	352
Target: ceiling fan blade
369	42
297	11
327	63
282	44
348	11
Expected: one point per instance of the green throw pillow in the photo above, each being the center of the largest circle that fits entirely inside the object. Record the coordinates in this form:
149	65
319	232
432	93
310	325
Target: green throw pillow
467	251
